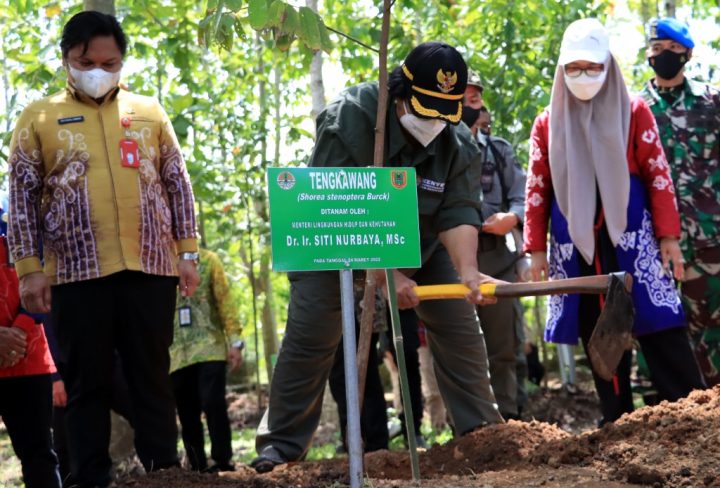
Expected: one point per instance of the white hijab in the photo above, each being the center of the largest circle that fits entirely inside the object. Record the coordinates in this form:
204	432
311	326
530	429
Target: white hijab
588	144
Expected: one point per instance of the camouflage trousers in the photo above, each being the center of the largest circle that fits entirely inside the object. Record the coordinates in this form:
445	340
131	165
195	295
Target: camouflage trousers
701	300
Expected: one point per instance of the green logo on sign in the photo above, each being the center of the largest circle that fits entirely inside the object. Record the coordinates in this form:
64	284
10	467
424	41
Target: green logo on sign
286	180
343	218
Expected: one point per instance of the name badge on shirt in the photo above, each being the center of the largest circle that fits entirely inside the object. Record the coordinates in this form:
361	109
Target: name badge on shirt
129	156
430	185
185	316
71	120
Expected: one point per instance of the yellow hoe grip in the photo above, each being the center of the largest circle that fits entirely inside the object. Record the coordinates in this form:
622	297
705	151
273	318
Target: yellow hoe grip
440	292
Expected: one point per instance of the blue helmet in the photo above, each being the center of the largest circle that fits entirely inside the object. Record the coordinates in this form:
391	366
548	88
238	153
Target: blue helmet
673	29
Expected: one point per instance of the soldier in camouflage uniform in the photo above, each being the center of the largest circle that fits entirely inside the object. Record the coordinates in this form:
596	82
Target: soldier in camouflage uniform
688	117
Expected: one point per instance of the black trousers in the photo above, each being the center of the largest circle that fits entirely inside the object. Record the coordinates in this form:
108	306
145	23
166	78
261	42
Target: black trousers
26	410
119	403
132	313
200	388
373	418
673	369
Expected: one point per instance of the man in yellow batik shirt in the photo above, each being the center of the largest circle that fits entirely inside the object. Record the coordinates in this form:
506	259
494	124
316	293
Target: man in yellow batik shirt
207	338
99	191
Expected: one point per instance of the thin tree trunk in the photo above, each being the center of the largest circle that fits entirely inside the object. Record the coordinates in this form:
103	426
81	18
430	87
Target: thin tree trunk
104	6
670	8
317	87
278	120
269	319
368	312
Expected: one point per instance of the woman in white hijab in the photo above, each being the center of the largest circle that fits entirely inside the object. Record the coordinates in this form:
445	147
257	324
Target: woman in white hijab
599	176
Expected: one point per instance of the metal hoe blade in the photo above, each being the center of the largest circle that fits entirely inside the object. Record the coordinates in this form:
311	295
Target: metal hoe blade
612	335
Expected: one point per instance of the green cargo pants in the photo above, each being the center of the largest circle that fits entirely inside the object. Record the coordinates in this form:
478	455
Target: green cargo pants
313	332
498	323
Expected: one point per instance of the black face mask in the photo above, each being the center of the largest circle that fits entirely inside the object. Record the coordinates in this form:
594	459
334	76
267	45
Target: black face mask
470	115
668	64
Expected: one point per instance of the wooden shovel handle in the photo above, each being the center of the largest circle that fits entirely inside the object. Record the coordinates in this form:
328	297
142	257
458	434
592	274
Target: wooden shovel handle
585	284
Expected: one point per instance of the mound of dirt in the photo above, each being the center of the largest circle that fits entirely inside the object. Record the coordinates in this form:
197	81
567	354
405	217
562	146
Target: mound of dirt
670	444
493	448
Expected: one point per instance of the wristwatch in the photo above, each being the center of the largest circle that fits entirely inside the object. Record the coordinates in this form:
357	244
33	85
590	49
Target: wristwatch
189	256
239	345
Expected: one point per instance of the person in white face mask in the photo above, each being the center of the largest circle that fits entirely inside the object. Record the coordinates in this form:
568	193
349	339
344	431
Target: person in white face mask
94	65
599	177
98	182
422	131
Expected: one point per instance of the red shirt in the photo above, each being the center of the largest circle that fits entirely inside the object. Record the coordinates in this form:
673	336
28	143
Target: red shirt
645	158
37	359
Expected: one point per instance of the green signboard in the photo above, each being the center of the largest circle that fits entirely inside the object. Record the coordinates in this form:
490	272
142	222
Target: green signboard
343	218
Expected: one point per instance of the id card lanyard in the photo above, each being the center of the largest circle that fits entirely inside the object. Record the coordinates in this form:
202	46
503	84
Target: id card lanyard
129	157
185	314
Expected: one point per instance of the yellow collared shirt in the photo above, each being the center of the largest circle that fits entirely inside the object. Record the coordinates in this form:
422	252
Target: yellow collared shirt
72	200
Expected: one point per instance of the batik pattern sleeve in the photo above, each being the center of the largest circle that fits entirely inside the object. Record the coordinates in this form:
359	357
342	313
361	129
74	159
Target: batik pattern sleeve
538	189
655	171
227	308
26	187
176	181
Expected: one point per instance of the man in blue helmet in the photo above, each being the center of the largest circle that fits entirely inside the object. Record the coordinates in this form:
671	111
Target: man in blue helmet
688	116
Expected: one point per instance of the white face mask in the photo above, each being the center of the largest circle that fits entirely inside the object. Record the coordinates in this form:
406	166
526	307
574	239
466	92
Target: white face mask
481	138
96	82
423	130
585	87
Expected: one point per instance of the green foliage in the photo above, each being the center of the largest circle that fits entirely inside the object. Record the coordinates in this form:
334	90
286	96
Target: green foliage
326	451
276	18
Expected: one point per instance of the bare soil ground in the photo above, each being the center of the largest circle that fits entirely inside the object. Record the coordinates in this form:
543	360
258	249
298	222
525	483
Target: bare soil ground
668	445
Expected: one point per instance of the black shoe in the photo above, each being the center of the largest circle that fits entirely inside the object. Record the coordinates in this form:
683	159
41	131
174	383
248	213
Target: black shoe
268	458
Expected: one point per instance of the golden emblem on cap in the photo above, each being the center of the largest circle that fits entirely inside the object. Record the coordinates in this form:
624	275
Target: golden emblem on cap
446	80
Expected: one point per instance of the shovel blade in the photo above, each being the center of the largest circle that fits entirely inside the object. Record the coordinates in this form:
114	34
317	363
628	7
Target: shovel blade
612	335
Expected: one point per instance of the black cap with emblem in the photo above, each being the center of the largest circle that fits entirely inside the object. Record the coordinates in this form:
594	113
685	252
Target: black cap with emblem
437	75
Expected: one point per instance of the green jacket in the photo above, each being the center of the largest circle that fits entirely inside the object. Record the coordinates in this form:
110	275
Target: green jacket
215	318
690	134
448	185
